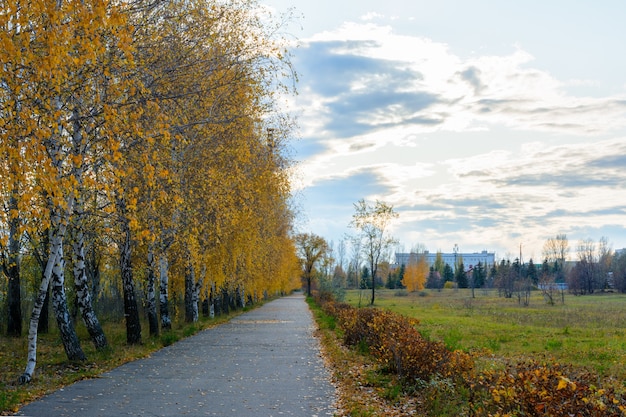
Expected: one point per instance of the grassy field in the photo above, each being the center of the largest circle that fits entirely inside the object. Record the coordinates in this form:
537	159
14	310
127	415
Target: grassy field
588	331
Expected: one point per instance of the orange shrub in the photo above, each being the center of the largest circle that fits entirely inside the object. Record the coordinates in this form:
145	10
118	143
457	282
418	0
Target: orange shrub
533	389
394	340
521	389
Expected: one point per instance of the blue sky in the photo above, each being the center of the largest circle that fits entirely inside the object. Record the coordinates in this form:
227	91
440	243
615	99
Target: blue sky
486	124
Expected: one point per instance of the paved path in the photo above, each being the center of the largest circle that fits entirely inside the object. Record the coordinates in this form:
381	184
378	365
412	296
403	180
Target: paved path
262	363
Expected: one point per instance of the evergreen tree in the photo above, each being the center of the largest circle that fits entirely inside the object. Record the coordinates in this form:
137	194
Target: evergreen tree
460	276
448	273
531	272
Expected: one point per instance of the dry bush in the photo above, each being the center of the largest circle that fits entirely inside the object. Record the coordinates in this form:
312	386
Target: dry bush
394	340
522	389
533	389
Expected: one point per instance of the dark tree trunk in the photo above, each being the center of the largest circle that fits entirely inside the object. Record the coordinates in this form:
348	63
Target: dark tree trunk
217	302
14	301
12	270
131	312
43	325
225	301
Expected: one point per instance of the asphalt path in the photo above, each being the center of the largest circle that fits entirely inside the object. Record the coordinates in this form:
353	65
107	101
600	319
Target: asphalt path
265	362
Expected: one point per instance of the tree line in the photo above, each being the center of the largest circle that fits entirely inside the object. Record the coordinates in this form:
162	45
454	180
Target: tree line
142	137
594	268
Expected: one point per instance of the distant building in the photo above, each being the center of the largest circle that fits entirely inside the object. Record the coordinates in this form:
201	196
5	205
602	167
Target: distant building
469	259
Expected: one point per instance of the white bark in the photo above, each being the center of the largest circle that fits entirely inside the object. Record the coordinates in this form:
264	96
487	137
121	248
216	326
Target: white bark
70	340
166	322
153	320
83	294
212	301
81	281
56	242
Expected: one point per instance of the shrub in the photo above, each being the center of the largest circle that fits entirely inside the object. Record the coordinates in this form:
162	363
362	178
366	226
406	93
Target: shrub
447	380
533	389
395	342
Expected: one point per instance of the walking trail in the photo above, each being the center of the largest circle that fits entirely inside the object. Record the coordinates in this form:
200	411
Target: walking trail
265	362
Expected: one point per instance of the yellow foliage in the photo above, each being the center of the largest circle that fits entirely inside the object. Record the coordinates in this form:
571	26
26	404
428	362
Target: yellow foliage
415	273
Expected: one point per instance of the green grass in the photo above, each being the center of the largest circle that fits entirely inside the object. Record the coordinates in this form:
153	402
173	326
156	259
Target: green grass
587	331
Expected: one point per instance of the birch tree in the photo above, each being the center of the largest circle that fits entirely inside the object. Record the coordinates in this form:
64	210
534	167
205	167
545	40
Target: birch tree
372	222
58	51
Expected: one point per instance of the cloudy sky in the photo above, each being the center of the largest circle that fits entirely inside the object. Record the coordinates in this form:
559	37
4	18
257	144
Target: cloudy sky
486	124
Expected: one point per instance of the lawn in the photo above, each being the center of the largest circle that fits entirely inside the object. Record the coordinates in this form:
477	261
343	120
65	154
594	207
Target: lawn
585	331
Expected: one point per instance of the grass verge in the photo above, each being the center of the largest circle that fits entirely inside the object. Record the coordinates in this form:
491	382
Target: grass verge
363	390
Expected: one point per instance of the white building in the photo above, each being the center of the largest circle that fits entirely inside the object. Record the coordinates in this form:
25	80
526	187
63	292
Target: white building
469	259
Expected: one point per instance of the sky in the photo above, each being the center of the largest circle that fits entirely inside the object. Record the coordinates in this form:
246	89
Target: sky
487	124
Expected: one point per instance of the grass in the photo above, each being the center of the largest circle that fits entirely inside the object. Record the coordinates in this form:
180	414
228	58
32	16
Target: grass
585	331
53	371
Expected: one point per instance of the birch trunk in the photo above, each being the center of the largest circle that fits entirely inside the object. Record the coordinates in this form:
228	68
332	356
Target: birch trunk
57	232
81	281
131	312
190	312
166	322
242	295
83	295
39	251
153	319
69	338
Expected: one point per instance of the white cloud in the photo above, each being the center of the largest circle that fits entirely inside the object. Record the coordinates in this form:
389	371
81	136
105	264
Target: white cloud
486	149
372	16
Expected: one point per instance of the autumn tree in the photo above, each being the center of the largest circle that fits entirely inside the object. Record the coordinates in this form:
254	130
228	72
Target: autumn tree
311	249
439	265
372	222
415	272
60	114
152	118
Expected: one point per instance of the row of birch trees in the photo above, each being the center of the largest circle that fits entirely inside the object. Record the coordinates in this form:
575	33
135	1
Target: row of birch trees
146	133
